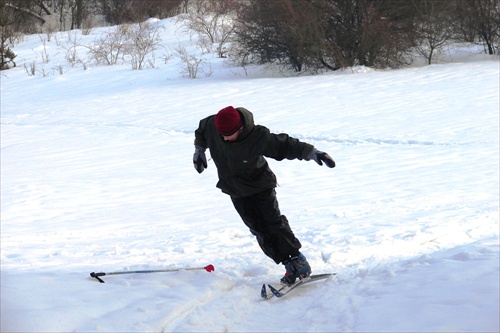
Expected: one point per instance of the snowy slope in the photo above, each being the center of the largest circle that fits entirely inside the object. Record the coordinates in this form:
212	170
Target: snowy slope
97	175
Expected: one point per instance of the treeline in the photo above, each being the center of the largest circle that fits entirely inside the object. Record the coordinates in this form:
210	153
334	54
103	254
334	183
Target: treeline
301	34
377	33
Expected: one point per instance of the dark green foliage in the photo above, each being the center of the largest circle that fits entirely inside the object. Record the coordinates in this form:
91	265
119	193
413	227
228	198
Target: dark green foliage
6	57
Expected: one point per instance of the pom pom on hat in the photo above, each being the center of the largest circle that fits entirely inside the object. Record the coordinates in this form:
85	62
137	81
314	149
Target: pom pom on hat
228	121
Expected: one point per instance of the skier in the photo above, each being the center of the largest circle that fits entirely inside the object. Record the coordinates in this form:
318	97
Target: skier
237	147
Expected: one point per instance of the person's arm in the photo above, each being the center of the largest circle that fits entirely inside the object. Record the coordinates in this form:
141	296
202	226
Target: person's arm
200	145
281	146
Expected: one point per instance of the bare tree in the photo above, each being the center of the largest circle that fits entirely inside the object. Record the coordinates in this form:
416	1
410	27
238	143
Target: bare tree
331	34
433	26
143	38
132	11
24	15
81	12
110	47
126	43
283	31
367	32
212	21
192	63
480	19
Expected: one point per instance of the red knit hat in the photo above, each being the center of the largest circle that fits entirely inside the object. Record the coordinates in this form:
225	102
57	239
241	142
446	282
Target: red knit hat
228	121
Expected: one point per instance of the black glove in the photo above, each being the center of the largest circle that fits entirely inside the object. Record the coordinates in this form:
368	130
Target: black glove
321	157
199	159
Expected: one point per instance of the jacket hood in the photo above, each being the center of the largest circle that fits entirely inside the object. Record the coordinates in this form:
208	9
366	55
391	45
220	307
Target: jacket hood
248	122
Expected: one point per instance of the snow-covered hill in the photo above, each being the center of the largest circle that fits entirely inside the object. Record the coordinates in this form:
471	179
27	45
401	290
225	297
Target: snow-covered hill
97	175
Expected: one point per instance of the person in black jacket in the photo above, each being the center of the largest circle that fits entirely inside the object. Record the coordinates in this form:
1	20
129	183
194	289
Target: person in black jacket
238	148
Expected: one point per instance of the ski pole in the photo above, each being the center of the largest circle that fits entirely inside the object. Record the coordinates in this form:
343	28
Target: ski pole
209	268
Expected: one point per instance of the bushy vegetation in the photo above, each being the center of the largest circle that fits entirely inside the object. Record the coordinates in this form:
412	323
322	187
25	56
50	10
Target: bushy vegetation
298	34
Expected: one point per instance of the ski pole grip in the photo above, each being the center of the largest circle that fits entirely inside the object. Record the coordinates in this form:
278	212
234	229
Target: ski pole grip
96	275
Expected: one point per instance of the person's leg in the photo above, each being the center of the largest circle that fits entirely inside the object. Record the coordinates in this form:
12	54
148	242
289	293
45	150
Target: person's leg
295	263
262	216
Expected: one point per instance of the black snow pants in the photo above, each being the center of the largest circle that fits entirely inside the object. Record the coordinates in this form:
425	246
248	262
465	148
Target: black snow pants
262	216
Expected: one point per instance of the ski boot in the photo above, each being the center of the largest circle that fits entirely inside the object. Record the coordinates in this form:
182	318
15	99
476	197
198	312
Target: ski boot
296	267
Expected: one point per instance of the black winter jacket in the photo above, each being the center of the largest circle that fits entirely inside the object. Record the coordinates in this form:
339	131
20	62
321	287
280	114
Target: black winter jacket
241	166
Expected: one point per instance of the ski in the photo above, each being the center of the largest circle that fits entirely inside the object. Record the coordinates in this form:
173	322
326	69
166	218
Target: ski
285	289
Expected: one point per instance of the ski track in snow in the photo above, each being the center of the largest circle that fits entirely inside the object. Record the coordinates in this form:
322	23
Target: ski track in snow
97	176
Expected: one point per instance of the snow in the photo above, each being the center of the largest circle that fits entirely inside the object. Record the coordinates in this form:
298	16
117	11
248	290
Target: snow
97	176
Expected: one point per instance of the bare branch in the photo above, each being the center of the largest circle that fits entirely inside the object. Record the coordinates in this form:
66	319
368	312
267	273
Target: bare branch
26	11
